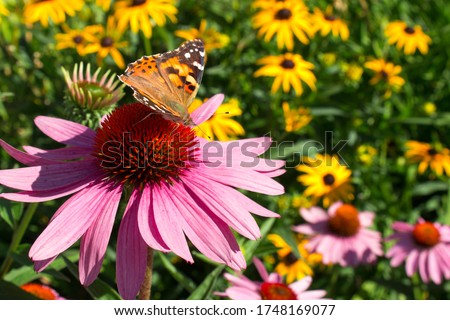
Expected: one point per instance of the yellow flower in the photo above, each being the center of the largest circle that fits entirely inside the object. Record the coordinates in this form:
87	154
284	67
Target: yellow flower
141	14
212	38
327	22
56	10
107	42
289	70
3	10
77	39
291	266
104	4
407	37
328	58
266	3
286	19
326	178
435	157
295	119
386	72
366	153
300	201
220	125
352	71
429	108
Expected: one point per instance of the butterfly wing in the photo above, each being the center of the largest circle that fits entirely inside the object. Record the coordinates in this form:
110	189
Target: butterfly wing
168	82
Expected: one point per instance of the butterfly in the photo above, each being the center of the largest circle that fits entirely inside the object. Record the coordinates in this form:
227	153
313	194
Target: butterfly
168	82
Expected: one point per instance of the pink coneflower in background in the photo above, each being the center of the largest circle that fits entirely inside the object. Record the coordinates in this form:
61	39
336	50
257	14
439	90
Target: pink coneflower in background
424	246
272	287
341	235
179	186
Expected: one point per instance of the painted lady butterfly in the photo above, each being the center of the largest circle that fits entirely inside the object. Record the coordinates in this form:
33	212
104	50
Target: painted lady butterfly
168	82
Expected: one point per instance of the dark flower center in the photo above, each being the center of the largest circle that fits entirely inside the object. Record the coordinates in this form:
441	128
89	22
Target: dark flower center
137	147
426	234
432	152
330	18
137	2
283	14
290	259
345	221
409	30
329	179
106	42
78	39
277	291
287	64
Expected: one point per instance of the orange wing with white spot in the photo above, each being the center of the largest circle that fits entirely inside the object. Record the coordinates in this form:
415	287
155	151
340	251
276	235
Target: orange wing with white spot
168	82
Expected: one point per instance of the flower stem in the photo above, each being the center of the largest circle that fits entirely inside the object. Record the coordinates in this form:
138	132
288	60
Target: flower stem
17	238
417	291
146	287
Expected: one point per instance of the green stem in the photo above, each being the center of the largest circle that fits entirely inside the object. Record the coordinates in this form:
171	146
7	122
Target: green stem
147	45
146	287
17	238
417	291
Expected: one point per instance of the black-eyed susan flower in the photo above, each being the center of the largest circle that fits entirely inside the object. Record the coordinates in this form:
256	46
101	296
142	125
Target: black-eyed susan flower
366	153
295	119
325	178
385	72
289	70
429	108
328	58
290	265
77	39
3	10
326	22
143	14
221	124
108	42
435	157
266	3
92	95
410	38
352	71
286	19
211	37
55	10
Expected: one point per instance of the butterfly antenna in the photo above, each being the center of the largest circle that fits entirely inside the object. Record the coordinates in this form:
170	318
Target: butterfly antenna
199	128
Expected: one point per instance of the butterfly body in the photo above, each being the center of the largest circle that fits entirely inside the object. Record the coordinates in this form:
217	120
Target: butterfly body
168	82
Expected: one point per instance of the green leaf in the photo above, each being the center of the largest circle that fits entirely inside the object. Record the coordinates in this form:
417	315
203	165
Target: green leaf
182	279
99	290
429	187
11	213
251	245
204	290
9	291
326	111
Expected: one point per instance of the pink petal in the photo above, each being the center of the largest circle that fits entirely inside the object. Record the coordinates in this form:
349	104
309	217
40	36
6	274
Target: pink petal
332	209
261	269
48	177
412	262
217	198
206	110
402	227
146	219
74	217
423	268
238	293
210	235
366	218
274	278
23	157
131	260
42	264
244	179
229	152
95	241
242	281
434	268
66	132
312	295
274	173
313	214
301	285
167	218
304	229
41	196
67	153
251	205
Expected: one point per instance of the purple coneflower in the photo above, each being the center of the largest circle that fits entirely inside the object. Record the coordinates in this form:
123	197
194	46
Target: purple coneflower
178	186
341	235
424	246
271	288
